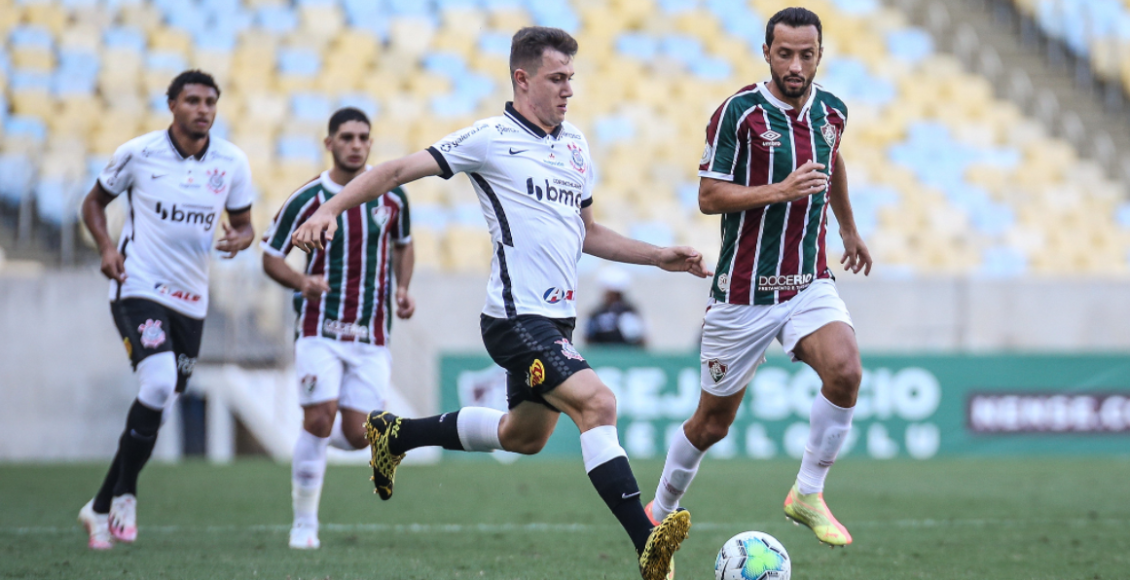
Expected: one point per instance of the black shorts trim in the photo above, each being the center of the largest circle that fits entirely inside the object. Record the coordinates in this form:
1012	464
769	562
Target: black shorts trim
537	353
148	328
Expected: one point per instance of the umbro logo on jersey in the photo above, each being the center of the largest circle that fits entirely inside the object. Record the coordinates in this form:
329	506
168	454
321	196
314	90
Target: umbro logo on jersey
771	139
513	152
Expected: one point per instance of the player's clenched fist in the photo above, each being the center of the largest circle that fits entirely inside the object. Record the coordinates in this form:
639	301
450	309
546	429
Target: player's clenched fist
806	180
316	232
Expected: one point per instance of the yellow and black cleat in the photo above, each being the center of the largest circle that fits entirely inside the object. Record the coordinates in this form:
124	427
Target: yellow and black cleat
657	561
380	427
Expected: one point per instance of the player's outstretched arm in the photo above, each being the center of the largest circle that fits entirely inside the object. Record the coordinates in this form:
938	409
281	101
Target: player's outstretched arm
320	227
94	216
604	243
716	196
856	255
238	236
276	268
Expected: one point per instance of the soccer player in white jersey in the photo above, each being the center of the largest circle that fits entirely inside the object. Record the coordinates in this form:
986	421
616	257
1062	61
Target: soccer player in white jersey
177	182
343	299
772	167
534	179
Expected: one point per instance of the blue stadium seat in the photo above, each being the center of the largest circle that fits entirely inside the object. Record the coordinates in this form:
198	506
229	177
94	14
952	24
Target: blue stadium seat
688	195
125	37
495	43
30	36
300	149
165	61
16	176
681	48
857	7
29	80
678	6
53	200
1122	216
637	45
430	215
465	214
311	107
910	44
657	233
447	64
298	61
712	68
453	105
276	19
25	126
558	14
418	8
360	101
1002	262
851	80
613	128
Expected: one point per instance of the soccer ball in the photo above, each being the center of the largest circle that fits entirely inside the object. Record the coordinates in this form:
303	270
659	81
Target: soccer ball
752	556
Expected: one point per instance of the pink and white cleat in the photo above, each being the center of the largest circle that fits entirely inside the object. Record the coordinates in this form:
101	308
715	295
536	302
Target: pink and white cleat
123	518
97	525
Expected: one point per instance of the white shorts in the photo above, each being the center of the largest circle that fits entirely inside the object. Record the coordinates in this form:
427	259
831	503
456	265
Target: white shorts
736	336
353	373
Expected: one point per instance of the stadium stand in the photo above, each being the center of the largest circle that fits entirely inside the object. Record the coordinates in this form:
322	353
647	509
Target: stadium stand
1097	31
945	177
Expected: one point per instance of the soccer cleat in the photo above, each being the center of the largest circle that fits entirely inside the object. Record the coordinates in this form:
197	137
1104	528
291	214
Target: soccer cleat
657	562
304	537
97	525
379	428
123	518
811	511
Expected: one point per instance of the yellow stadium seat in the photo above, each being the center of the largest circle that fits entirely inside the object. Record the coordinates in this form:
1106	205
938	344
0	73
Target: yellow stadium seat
506	19
427	248
39	59
48	14
467	249
171	40
410	37
321	21
37	103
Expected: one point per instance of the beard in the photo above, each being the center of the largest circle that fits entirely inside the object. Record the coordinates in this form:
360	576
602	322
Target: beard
792	93
344	164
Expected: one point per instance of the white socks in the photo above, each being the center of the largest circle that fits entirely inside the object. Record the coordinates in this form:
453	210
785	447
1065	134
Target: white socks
308	468
829	426
600	445
680	468
478	428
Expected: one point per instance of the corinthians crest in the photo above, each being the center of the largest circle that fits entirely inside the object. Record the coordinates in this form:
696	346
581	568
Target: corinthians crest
829	132
216	181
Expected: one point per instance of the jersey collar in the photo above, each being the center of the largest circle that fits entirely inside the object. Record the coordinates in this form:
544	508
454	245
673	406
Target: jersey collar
529	125
773	100
176	148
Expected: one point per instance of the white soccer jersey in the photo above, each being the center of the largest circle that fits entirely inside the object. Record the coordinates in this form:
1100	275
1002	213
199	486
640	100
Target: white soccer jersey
532	186
175	207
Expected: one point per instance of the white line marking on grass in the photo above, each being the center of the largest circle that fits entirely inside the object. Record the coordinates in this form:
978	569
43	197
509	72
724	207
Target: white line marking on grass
417	528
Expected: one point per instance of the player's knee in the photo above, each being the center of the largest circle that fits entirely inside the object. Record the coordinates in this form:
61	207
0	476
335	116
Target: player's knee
600	408
157	375
317	421
845	379
531	445
713	431
355	434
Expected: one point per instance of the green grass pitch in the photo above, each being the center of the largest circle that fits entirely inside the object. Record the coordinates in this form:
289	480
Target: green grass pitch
540	519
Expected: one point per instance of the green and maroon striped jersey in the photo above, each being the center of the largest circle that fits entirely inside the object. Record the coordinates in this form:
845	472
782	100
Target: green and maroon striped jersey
357	264
771	253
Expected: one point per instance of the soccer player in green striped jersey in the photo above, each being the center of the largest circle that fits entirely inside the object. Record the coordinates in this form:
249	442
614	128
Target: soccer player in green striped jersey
344	301
771	168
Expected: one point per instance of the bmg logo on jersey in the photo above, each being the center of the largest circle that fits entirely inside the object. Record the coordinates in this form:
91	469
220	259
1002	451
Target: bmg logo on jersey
561	191
188	216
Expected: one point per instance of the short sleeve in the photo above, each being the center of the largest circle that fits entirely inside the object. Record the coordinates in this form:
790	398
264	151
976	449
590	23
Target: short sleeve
117	176
590	184
299	206
402	230
463	151
242	193
723	139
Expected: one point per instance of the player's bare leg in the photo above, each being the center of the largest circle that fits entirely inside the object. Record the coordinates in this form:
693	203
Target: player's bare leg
708	425
592	406
833	353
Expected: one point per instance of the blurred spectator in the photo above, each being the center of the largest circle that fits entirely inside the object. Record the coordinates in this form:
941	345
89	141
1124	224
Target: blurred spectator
616	320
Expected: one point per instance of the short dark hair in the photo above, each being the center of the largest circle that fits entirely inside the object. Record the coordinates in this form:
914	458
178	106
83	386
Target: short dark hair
530	43
345	115
794	18
191	77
